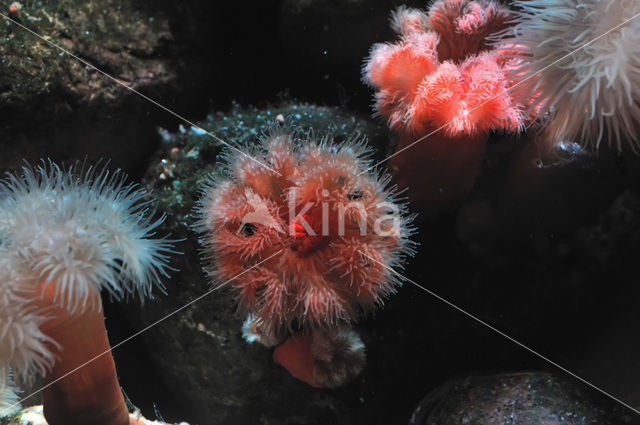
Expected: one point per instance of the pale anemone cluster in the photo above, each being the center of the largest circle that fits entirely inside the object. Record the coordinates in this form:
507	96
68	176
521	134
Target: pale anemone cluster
580	63
75	233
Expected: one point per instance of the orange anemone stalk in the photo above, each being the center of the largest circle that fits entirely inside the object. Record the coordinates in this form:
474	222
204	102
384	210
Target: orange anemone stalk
323	358
82	386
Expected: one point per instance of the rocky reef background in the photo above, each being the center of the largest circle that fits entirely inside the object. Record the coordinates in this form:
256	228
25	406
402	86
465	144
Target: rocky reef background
545	254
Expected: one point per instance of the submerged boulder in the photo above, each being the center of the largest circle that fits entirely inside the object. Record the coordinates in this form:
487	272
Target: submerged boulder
519	399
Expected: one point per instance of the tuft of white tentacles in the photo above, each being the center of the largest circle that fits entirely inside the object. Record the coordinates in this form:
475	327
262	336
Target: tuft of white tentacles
579	60
84	231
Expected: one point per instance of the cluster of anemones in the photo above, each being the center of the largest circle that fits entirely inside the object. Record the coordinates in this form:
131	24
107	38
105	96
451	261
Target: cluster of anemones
568	67
301	229
65	235
309	237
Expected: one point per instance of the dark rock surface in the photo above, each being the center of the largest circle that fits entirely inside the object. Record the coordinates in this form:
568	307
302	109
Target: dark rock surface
535	207
54	105
518	399
114	36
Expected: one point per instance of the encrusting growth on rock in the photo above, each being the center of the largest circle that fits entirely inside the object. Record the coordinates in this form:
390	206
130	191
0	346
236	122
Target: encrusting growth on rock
64	236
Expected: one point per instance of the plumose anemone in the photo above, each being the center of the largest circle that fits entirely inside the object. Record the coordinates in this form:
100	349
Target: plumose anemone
64	236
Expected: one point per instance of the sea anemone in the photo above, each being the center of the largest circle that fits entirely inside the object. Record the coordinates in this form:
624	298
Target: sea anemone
64	236
584	67
443	81
300	233
294	241
324	358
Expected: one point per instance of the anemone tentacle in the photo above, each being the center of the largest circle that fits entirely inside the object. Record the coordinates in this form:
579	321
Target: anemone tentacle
581	60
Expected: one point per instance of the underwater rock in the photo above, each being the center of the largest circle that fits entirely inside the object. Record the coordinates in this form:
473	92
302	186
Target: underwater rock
55	106
114	36
518	399
614	239
200	351
546	238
